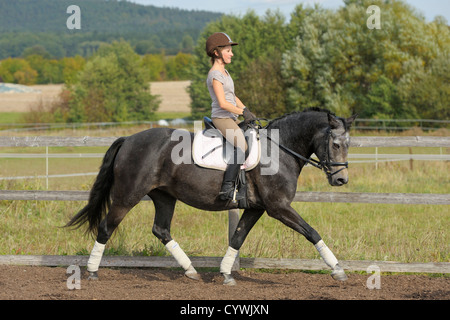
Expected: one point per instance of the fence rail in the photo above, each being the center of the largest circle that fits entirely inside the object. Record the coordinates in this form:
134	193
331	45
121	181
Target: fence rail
342	197
214	262
378	156
359	124
49	141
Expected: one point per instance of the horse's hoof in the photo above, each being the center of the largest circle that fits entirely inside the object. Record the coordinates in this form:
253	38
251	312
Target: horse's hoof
339	274
229	280
192	275
93	276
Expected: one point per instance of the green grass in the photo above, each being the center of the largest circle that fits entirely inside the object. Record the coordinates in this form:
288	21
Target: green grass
11	117
171	115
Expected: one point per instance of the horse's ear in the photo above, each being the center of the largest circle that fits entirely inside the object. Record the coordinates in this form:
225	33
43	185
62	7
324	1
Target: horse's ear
351	119
334	121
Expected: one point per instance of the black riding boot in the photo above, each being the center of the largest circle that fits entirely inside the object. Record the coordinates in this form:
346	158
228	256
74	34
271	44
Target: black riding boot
231	175
229	181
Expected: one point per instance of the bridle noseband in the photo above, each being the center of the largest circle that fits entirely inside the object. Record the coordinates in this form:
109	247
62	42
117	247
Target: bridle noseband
325	165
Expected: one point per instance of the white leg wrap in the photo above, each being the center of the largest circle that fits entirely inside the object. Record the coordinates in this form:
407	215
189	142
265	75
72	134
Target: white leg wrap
95	257
326	254
179	255
228	260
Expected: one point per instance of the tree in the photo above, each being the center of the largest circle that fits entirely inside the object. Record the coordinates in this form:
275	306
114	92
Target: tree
112	87
71	66
48	70
306	66
178	67
154	66
338	63
384	102
17	70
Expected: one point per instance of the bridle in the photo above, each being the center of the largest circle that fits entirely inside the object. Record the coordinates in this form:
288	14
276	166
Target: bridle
324	165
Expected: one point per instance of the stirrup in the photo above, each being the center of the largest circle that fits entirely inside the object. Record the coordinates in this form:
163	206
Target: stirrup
231	194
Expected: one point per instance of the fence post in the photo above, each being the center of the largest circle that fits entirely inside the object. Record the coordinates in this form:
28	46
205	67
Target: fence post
46	167
376	158
233	220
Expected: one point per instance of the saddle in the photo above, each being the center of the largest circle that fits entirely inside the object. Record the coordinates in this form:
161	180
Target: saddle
211	150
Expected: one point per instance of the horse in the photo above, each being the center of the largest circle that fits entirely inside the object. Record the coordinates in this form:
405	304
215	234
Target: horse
140	165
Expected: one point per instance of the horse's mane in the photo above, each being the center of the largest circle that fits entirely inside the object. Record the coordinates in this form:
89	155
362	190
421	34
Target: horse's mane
312	109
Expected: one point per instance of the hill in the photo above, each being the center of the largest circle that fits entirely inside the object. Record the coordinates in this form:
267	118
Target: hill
29	23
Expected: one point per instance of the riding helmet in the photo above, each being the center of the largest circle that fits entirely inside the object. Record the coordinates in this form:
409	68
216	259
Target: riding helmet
218	39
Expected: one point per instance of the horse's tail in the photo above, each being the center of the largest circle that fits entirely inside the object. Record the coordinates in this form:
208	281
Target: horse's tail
99	197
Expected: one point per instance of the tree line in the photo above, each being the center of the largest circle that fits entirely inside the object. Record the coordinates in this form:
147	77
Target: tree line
149	29
320	58
37	67
331	59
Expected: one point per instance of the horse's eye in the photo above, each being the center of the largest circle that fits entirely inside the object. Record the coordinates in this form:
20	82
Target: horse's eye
336	146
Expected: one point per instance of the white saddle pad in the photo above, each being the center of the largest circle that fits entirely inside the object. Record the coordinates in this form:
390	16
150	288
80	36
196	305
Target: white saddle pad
208	151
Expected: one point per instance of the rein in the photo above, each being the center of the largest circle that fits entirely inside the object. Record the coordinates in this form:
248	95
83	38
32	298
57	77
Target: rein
322	165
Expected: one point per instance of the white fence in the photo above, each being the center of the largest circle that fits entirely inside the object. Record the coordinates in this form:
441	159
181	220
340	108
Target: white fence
376	157
359	124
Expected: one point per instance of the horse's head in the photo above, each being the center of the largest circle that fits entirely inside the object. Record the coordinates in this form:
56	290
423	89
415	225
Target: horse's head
332	149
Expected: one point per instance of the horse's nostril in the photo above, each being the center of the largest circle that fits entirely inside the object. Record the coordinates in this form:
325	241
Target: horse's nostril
342	181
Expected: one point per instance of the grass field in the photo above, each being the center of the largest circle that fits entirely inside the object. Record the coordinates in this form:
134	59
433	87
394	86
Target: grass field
173	95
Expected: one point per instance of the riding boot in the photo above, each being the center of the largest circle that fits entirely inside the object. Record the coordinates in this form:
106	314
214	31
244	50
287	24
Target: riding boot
231	175
229	181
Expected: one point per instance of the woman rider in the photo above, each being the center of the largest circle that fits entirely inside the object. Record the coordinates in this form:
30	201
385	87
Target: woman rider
226	107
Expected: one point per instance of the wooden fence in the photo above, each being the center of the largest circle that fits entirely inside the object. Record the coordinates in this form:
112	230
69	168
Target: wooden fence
301	264
49	141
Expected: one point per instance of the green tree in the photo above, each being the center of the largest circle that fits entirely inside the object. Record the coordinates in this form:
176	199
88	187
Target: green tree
48	70
339	63
306	66
154	66
178	67
71	66
383	101
17	70
112	87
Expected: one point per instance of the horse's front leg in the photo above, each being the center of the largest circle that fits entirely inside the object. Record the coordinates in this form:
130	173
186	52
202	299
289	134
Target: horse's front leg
246	223
292	219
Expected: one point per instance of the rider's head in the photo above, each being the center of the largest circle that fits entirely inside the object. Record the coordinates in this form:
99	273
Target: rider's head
215	45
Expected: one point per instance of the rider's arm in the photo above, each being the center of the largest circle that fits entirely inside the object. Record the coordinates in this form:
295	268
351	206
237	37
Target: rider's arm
223	103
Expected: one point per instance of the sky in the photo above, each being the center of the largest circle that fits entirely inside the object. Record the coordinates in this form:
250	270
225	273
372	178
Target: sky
429	8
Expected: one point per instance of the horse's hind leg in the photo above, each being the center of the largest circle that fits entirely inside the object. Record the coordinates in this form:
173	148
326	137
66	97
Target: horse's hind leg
105	230
164	209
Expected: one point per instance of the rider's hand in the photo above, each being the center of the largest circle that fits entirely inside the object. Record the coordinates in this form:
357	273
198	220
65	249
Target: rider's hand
248	116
